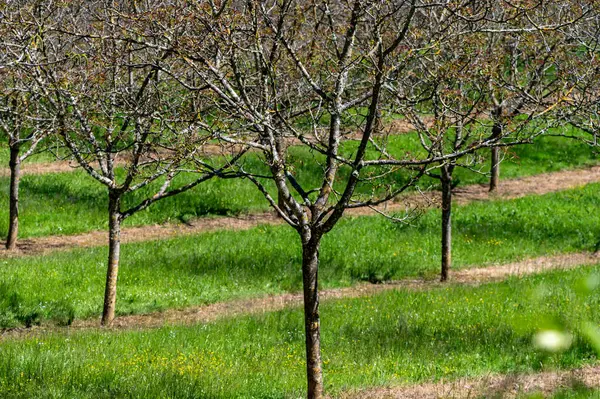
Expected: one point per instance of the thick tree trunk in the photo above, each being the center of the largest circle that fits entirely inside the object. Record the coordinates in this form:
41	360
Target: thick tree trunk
446	222
310	267
15	176
114	249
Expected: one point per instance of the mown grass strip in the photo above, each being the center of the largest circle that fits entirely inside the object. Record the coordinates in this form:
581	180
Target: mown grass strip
392	338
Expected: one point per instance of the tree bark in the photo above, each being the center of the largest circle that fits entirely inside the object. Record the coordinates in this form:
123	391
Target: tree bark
495	167
310	268
114	249
446	221
15	177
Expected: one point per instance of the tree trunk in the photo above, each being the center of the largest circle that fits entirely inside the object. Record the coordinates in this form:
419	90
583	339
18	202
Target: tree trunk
114	249
15	176
310	268
446	221
495	168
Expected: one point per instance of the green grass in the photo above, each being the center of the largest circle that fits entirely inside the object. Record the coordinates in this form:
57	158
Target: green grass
391	338
218	266
577	390
45	151
71	203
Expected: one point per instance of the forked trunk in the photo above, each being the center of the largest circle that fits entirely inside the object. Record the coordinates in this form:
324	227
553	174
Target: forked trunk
114	249
310	266
15	176
446	222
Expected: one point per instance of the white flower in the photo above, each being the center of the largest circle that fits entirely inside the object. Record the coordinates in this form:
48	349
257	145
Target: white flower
552	340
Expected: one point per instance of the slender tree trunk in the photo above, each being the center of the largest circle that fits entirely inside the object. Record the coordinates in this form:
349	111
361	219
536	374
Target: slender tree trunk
495	167
15	177
114	249
310	267
282	150
446	221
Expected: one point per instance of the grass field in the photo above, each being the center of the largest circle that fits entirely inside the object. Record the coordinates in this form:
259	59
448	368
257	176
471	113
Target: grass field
70	203
391	338
223	265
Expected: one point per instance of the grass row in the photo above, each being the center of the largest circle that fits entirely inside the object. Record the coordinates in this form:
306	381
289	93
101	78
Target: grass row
577	390
219	266
70	203
387	339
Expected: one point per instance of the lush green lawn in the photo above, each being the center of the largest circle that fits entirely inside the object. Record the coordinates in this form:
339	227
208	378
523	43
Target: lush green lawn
219	266
70	203
390	338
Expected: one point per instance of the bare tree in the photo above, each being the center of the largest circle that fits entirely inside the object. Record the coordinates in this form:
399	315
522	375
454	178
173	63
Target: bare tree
582	60
121	110
523	57
319	72
22	118
457	84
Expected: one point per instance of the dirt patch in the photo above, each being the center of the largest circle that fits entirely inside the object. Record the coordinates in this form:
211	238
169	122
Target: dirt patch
491	386
66	166
212	312
41	168
42	245
532	185
509	189
395	127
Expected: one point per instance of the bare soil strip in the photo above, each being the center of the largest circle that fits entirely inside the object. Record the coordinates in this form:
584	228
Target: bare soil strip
396	127
212	312
43	168
66	166
473	276
491	386
532	185
43	245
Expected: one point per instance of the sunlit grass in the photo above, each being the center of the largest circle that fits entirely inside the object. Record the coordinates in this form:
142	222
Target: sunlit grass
387	339
218	266
70	203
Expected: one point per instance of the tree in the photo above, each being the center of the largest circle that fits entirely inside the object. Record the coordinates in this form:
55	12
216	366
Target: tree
317	72
458	84
524	55
581	118
121	111
23	121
